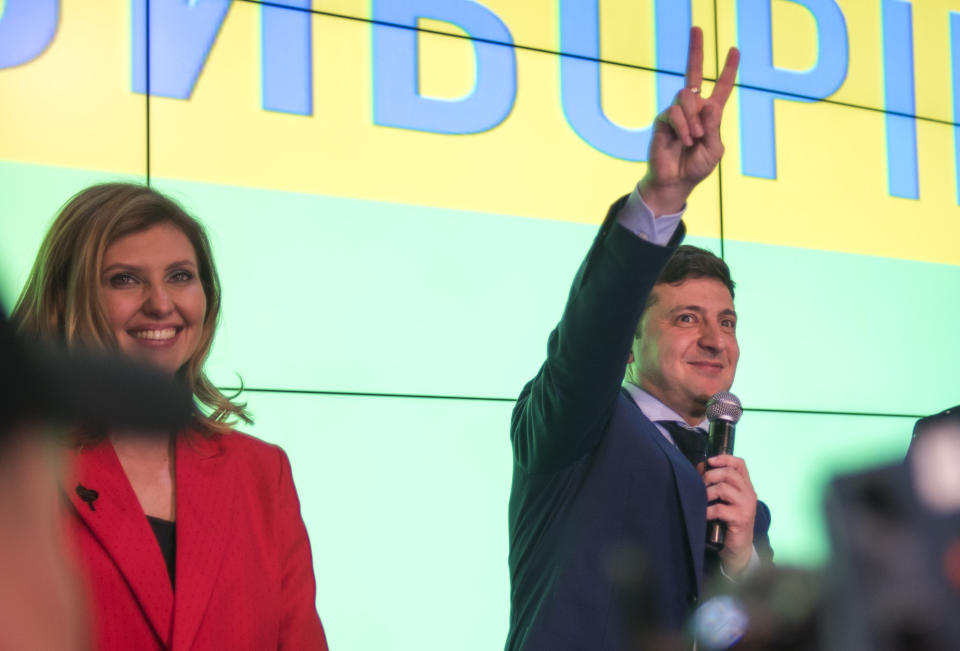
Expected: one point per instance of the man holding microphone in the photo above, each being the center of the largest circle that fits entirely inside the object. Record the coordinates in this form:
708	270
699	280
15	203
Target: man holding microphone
600	467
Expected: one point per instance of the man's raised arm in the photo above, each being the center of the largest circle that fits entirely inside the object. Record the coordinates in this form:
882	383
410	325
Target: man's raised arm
562	412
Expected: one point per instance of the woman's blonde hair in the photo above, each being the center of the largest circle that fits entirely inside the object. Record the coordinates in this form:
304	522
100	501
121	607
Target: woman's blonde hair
61	299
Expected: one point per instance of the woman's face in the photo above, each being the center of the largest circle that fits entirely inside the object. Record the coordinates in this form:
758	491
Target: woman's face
153	296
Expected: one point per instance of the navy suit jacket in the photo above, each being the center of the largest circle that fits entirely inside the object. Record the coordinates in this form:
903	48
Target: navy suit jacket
594	480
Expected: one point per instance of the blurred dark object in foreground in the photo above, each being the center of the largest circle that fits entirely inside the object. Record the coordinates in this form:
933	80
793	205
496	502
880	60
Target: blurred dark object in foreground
45	393
629	573
894	581
774	609
95	390
948	420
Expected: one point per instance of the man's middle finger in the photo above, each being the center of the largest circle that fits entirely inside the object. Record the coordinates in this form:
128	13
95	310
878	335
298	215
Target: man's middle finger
724	86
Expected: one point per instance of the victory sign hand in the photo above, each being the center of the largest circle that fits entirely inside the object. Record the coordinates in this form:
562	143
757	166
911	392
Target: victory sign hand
686	146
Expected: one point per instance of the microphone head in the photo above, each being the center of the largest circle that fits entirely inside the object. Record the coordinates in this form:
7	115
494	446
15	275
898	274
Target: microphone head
723	405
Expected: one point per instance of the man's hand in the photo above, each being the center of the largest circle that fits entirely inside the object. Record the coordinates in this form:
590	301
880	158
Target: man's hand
686	144
727	480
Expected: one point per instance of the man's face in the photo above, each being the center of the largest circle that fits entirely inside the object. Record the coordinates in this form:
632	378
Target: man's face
687	349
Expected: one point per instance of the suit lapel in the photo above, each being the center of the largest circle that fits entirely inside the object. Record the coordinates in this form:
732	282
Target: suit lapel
118	523
693	503
205	498
689	485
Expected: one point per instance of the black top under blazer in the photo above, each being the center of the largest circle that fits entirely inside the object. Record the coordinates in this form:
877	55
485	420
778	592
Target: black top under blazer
594	479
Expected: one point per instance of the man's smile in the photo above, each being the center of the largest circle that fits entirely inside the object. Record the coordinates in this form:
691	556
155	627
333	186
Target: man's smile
707	367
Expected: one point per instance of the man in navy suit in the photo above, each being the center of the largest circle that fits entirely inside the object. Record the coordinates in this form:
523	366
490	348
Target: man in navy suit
599	474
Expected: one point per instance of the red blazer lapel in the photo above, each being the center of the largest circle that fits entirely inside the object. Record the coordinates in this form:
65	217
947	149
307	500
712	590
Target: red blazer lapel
205	499
115	519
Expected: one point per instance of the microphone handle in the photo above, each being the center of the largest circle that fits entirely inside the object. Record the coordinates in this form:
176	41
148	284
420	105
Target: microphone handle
719	441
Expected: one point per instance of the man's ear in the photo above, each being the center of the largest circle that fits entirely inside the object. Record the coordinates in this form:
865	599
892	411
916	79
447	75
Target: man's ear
630	356
636	336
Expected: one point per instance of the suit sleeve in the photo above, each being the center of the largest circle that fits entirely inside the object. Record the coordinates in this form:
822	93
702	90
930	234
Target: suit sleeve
300	626
562	412
761	534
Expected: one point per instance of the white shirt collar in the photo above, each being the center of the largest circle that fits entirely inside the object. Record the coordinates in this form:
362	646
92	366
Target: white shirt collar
656	410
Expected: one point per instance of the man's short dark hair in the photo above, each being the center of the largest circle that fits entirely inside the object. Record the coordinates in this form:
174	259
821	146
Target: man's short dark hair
694	262
690	262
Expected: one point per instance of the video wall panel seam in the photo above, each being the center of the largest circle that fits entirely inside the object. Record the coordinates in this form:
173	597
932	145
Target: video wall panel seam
716	66
147	95
416	396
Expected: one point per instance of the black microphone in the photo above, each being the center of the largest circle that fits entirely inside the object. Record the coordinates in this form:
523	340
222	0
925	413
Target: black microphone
88	495
723	412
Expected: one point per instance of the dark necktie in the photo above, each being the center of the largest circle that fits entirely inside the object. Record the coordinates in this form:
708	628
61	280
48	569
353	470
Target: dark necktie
691	442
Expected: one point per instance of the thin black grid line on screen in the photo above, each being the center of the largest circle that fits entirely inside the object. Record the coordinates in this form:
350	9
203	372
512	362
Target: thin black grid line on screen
146	58
716	66
622	64
600	60
427	396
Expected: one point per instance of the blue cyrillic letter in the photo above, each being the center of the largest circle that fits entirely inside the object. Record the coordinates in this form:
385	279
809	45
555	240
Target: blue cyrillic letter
898	91
580	74
287	69
757	139
397	101
27	28
181	35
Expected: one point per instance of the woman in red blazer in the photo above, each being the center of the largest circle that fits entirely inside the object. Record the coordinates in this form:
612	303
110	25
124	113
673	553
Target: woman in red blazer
192	539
